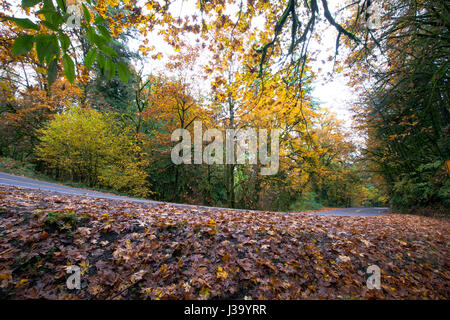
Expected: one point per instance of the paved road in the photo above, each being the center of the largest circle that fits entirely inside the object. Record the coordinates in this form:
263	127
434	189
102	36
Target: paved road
357	212
18	181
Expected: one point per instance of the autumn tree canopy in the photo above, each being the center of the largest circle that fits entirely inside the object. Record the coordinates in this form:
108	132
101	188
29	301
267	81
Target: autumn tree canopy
237	65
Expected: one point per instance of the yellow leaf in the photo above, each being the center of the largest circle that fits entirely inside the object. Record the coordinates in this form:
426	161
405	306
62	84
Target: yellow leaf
221	274
204	292
21	283
5	276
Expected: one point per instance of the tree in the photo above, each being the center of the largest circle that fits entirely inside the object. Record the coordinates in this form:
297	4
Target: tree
405	110
22	115
171	105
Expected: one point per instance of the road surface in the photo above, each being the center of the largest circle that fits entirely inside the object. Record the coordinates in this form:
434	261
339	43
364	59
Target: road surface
357	212
18	181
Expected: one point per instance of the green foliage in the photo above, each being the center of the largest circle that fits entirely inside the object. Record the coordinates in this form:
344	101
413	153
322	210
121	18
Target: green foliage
69	68
425	186
61	220
90	57
22	45
306	202
407	115
89	147
48	47
25	23
108	91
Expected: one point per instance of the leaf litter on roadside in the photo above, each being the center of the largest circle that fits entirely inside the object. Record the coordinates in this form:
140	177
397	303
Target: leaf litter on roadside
129	250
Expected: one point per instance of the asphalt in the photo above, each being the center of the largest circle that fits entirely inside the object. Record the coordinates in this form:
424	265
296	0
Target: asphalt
23	182
356	212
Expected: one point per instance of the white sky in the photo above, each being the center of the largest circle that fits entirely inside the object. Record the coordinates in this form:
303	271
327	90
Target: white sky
333	93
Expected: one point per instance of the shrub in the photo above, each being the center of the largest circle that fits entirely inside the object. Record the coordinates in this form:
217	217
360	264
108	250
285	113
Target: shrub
90	147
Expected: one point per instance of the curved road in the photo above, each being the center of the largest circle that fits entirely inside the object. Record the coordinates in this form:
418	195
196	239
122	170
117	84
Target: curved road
18	181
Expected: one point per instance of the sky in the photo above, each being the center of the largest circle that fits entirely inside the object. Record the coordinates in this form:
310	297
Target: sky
333	92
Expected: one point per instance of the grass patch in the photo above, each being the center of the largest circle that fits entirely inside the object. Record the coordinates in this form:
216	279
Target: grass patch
60	221
306	202
26	169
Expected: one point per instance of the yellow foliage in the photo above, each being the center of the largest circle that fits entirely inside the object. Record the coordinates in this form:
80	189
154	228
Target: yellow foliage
85	144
